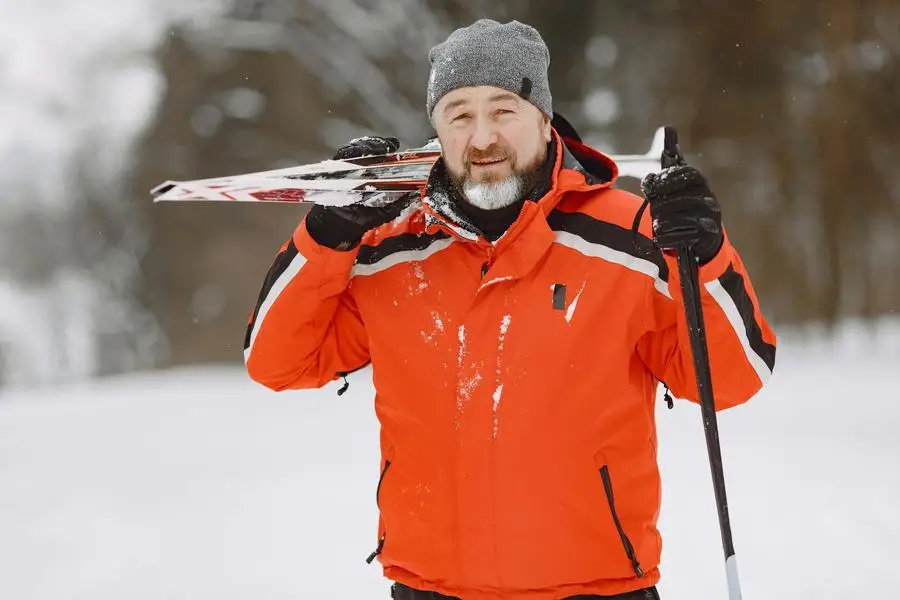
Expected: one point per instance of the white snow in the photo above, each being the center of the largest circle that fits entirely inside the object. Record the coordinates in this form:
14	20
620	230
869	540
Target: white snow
496	280
505	322
412	207
200	484
465	385
420	275
497	394
437	328
438	322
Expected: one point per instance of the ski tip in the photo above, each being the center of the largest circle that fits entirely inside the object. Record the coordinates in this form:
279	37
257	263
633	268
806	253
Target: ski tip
638	168
658	144
162	188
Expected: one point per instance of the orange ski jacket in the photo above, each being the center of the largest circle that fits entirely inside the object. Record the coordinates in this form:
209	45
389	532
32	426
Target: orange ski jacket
515	380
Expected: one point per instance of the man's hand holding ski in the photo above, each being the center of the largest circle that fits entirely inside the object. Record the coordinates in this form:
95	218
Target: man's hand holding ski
342	227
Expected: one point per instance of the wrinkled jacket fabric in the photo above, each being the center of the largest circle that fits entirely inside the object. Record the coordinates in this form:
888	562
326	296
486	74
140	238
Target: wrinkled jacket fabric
515	381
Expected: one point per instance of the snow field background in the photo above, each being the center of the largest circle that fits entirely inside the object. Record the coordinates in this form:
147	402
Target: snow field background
201	484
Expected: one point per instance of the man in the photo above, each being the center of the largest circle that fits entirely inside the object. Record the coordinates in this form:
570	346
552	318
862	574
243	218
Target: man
517	335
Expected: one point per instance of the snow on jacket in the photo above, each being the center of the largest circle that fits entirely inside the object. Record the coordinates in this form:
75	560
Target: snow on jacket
515	381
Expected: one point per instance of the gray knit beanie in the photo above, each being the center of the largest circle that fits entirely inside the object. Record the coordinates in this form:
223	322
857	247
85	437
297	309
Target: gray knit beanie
512	56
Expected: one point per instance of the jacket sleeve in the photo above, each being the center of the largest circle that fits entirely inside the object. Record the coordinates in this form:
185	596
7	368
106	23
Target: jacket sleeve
741	344
306	327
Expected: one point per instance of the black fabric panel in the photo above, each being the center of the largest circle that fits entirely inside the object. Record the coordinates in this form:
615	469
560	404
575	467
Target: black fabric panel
282	261
607	234
733	283
564	128
369	255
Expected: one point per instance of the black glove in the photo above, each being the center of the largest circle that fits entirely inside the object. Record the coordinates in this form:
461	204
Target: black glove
684	211
367	146
342	227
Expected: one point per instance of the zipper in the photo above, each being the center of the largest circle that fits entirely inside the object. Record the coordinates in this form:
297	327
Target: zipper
626	543
387	465
380	547
486	265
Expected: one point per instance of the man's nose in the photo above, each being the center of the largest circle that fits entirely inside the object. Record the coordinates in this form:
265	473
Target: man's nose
484	134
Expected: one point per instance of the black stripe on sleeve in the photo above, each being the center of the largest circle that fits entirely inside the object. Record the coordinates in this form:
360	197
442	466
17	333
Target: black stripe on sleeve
607	234
279	266
733	283
369	255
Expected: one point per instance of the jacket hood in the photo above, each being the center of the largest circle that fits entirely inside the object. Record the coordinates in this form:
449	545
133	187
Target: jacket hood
597	167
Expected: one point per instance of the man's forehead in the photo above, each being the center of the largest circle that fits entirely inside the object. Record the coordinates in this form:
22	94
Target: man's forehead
480	93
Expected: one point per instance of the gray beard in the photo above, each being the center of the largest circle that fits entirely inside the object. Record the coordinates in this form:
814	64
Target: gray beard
491	195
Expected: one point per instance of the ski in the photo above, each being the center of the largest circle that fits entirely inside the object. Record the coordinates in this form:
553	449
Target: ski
369	179
332	182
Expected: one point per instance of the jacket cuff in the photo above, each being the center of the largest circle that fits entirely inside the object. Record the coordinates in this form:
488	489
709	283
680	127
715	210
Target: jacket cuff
716	267
332	231
712	270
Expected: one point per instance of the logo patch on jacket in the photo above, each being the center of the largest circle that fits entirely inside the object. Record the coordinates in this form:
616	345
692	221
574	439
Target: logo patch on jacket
559	296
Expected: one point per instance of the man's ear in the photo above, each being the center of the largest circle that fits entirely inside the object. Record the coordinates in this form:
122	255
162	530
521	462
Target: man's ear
547	128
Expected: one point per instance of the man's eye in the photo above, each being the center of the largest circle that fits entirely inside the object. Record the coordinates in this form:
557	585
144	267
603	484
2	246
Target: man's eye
504	111
460	117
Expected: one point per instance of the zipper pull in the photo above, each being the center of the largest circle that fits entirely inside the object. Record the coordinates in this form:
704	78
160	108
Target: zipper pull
668	398
488	259
377	550
346	385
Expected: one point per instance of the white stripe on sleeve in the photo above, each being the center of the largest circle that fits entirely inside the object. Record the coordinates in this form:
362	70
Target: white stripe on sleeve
731	311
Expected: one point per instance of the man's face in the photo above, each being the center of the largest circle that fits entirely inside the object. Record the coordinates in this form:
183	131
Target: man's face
488	135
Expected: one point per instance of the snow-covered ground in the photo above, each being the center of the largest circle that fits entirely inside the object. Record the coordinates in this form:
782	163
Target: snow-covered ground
200	485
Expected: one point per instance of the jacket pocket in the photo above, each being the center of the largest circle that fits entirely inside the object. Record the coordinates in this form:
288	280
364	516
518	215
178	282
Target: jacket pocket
626	543
380	547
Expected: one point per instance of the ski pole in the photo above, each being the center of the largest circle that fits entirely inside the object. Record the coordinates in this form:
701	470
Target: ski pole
690	292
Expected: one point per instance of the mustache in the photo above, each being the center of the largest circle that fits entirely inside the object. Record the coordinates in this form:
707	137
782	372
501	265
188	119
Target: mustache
491	153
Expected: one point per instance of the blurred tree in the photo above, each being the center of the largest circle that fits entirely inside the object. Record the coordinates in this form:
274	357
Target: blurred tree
791	110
